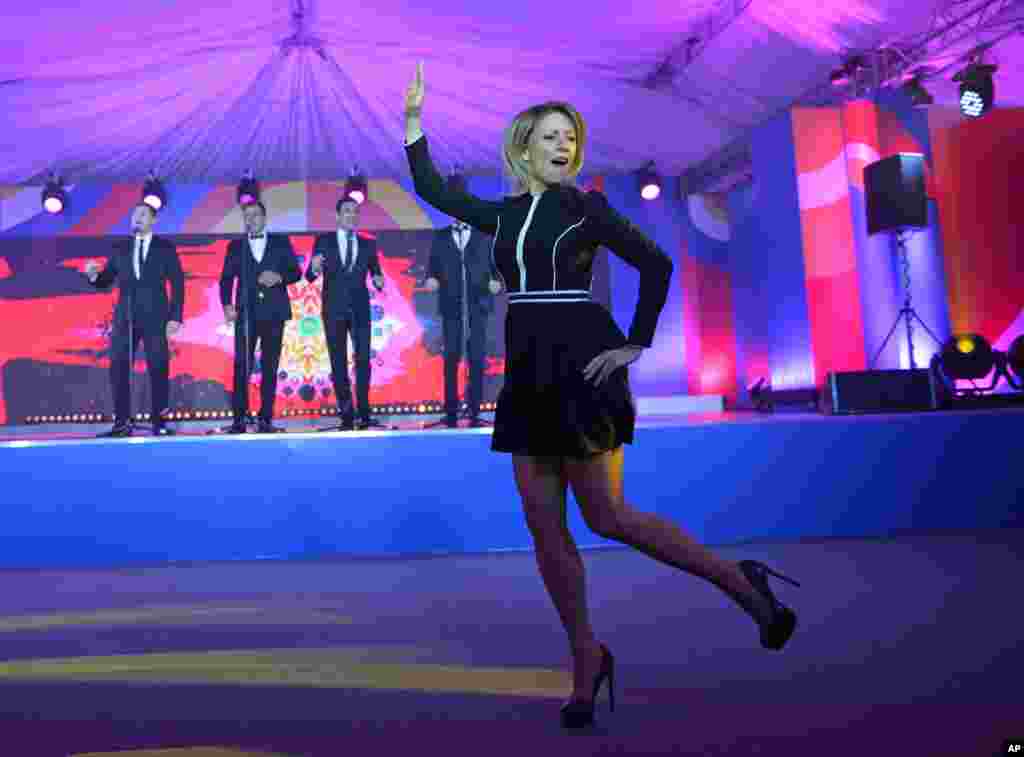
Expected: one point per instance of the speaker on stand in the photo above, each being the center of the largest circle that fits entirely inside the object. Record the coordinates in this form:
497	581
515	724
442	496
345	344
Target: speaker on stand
897	203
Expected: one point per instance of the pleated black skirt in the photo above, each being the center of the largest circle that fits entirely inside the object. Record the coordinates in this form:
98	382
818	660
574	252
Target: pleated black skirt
546	407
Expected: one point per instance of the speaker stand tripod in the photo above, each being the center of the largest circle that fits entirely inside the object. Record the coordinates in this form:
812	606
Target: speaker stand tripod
907	312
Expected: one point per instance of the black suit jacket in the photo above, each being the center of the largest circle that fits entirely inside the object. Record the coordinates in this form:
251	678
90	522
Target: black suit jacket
445	261
147	297
240	265
344	290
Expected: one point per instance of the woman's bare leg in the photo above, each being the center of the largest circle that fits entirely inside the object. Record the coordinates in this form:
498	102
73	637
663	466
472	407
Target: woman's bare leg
542	486
597	483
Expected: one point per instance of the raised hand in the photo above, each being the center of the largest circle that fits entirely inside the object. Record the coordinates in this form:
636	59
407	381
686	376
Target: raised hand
317	264
92	270
230	314
414	94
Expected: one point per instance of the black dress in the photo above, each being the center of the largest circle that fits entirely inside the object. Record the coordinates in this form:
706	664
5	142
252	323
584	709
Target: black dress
543	247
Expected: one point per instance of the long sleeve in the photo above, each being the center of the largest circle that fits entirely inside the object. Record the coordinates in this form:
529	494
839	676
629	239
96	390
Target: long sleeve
620	236
228	276
108	275
480	214
317	250
291	272
374	260
434	264
177	278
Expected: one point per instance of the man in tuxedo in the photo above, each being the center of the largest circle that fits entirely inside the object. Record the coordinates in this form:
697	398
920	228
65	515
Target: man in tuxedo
263	265
345	257
142	270
461	271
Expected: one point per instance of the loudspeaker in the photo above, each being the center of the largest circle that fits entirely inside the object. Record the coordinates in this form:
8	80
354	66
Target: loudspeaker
894	190
855	392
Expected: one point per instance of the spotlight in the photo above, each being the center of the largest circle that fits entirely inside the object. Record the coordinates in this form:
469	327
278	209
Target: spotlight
153	192
760	392
54	199
914	89
356	187
649	182
1015	360
967	357
847	72
248	189
977	91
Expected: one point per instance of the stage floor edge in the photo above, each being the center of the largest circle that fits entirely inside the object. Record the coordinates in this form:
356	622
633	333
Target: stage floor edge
727	478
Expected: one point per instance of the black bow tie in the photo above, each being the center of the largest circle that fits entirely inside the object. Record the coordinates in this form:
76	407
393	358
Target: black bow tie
257	236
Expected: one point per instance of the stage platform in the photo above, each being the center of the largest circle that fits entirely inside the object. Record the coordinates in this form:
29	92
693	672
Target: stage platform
727	477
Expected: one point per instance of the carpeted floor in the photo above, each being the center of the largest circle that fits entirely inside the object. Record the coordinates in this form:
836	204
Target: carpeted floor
908	645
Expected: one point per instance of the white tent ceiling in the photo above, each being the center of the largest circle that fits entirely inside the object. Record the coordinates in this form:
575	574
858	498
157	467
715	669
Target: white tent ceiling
304	89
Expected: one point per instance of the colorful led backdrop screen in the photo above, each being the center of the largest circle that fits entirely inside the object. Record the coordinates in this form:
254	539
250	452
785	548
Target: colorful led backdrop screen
54	350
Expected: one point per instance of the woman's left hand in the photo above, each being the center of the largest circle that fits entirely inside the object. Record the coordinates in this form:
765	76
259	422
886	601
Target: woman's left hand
602	366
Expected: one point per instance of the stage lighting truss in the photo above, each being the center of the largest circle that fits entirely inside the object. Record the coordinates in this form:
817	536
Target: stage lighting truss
153	192
248	189
970	357
54	198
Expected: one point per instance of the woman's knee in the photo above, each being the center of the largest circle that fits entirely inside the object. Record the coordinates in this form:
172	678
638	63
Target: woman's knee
606	519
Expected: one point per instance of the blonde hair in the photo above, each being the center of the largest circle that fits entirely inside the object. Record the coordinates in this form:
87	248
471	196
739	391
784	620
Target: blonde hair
517	140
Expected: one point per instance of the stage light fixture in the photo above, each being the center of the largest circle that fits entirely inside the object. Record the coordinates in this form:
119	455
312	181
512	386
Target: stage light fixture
977	90
648	182
846	73
967	357
759	392
356	187
1015	361
914	88
54	198
248	189
153	192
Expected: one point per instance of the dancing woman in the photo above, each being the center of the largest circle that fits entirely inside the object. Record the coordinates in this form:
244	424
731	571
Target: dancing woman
565	409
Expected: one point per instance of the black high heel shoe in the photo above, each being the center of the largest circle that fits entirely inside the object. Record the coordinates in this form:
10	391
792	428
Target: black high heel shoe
576	713
775	633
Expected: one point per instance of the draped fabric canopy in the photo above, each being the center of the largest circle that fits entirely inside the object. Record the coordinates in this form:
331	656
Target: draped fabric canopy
304	89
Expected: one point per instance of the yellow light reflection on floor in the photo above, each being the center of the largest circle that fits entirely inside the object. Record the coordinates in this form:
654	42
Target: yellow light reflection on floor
324	668
195	751
177	615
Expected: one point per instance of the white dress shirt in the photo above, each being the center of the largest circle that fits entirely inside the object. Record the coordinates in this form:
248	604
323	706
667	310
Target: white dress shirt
258	247
139	255
348	256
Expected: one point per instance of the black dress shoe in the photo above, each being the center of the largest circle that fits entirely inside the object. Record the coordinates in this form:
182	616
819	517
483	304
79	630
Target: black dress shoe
161	429
237	427
121	429
451	421
266	427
